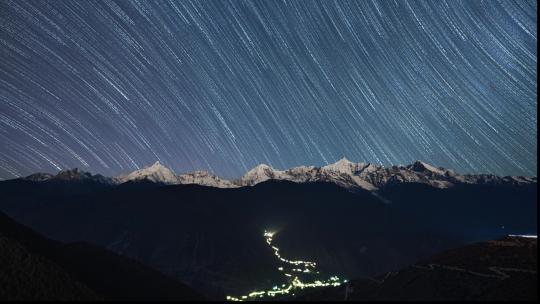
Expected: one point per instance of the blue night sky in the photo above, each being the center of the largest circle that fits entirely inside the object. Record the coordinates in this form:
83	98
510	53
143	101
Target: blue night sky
112	86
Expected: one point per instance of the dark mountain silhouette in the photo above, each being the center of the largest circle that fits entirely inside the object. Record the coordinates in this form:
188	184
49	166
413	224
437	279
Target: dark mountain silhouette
212	238
36	268
503	269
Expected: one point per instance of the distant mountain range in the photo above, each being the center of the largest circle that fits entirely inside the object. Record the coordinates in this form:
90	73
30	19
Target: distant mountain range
343	173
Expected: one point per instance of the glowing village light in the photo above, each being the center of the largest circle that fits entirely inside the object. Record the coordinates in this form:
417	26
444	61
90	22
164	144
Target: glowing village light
269	233
296	283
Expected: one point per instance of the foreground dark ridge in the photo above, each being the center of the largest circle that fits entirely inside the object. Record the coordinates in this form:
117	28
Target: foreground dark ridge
35	268
503	269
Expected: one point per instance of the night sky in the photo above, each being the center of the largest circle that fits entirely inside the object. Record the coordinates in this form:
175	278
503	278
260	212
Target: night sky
112	86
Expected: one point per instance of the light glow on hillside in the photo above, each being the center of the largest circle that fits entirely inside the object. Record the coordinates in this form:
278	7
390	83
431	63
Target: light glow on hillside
304	267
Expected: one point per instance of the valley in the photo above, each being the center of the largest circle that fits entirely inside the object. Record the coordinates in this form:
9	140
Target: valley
295	269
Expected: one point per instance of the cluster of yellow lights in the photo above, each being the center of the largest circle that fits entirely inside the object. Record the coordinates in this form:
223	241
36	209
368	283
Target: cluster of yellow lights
295	283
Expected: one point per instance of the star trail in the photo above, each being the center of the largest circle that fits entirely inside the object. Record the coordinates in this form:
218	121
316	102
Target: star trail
112	86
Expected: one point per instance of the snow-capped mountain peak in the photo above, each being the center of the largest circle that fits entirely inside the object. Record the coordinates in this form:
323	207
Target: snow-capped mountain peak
204	178
260	170
70	175
344	166
420	166
261	167
156	173
157	166
343	172
258	174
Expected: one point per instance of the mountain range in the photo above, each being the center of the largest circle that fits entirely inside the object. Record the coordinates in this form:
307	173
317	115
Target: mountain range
356	220
211	238
343	173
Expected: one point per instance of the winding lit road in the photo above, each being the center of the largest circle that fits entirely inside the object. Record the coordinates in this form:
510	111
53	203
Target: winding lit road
291	270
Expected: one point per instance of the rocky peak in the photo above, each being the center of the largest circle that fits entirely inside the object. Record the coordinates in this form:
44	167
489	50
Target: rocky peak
260	173
72	174
39	177
261	169
419	166
77	174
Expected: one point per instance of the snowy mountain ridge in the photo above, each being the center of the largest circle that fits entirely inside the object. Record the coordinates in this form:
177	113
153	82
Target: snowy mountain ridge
344	173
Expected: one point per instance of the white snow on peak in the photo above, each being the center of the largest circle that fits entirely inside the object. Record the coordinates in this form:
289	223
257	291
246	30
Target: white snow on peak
343	165
301	170
367	168
343	172
156	173
420	165
261	167
260	173
157	164
204	178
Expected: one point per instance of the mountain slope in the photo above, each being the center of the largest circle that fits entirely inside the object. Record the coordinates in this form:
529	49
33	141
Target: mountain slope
503	269
26	276
37	268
